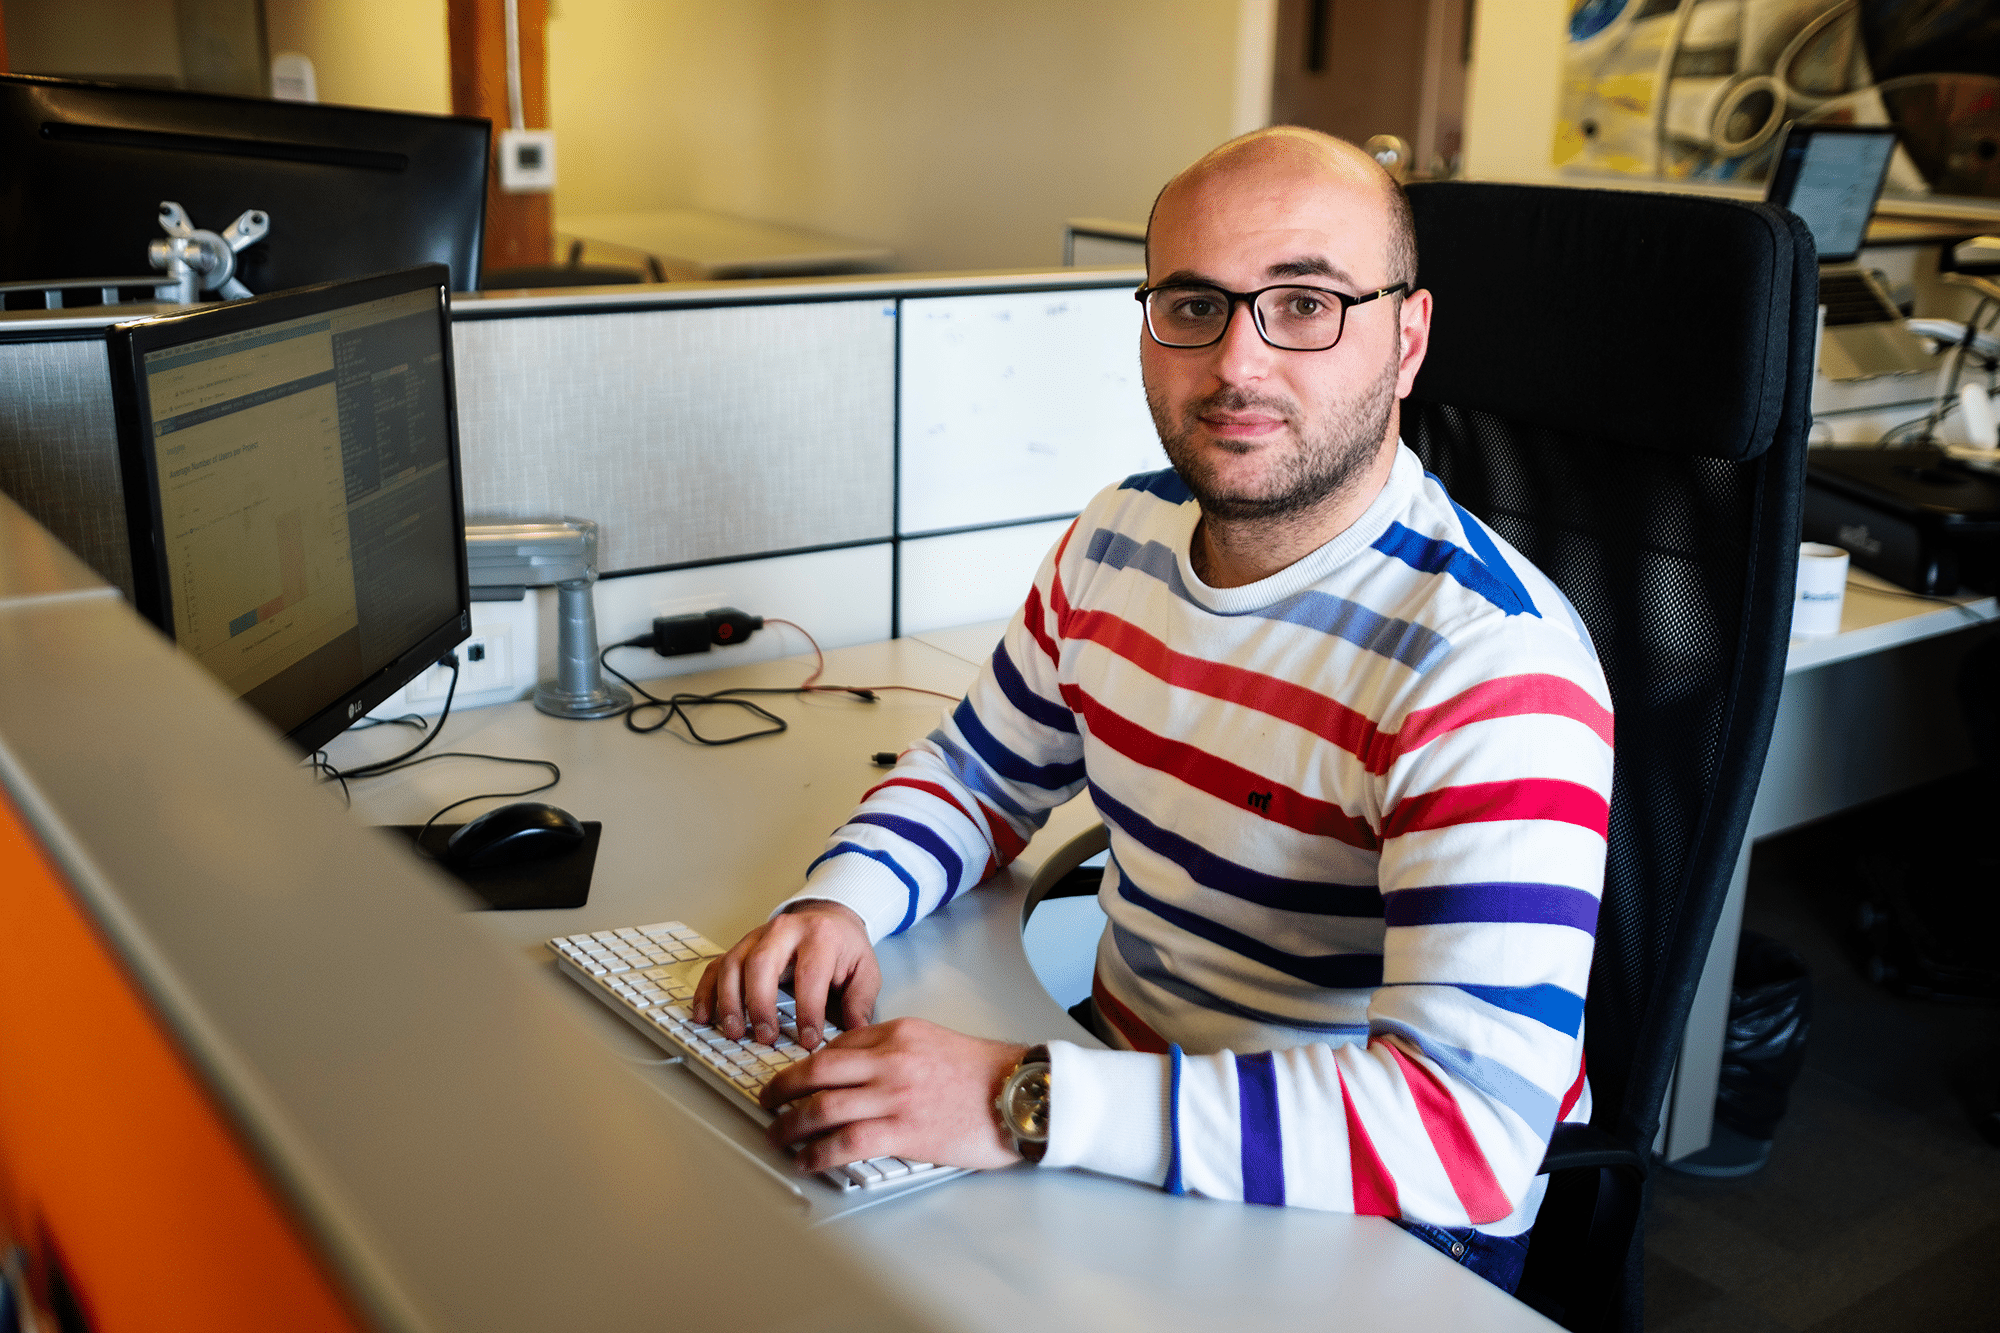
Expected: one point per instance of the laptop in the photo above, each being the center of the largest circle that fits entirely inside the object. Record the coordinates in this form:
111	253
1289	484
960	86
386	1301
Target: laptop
1831	175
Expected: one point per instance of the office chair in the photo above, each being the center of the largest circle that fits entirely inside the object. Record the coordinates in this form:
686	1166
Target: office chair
1620	383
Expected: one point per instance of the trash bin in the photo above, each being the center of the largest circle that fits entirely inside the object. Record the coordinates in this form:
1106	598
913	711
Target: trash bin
1763	1049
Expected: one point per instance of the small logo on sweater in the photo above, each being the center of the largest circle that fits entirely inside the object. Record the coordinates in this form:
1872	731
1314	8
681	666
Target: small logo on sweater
1259	801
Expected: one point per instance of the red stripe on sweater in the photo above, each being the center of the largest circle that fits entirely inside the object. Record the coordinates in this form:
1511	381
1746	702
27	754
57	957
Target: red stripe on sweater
1138	1034
1281	699
1465	1165
1374	1187
1574	1094
1033	616
1509	696
1219	778
1007	844
1058	599
1487	802
1000	835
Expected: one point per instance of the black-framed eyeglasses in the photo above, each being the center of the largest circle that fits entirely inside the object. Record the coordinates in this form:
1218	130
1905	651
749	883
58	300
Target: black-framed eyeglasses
1288	317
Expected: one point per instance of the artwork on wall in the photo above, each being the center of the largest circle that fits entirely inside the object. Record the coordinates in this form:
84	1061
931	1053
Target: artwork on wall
1702	89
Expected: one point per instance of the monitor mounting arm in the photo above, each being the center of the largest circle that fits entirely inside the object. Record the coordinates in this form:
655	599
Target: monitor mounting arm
504	558
197	261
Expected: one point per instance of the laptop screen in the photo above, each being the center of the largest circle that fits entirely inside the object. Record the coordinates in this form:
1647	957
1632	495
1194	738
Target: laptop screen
1830	176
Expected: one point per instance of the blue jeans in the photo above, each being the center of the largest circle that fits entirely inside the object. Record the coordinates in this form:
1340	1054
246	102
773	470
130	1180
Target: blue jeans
1498	1259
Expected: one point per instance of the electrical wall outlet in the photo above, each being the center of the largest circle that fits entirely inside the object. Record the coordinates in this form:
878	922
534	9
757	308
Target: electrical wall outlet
496	664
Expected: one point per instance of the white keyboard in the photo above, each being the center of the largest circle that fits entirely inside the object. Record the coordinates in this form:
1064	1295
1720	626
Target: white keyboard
647	974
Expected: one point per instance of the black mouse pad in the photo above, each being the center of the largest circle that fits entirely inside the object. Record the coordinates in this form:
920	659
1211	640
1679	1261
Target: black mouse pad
560	881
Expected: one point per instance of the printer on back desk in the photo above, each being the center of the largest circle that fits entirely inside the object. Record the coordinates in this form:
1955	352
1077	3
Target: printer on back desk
1911	514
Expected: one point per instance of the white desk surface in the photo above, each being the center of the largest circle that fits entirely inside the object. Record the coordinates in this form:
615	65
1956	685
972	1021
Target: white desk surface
691	244
1877	615
716	836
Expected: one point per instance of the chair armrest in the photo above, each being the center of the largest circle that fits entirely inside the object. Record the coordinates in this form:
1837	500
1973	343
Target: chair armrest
1574	1146
1584	1251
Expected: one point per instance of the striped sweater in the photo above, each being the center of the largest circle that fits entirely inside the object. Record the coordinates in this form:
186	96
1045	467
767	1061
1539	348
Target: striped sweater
1357	815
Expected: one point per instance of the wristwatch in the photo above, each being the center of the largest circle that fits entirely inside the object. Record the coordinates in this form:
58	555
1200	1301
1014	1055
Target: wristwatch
1023	1104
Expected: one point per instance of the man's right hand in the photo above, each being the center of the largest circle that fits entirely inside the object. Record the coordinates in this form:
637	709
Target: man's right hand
823	945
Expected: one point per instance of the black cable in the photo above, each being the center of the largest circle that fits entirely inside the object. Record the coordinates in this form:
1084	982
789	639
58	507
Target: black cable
412	720
555	776
677	705
389	765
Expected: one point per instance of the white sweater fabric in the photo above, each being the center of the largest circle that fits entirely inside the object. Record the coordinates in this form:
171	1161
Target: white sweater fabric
1357	823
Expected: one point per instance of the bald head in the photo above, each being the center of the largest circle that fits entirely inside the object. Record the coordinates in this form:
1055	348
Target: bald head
1292	154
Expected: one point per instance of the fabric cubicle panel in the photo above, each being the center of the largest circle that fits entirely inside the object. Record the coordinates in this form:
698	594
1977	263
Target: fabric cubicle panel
59	448
689	434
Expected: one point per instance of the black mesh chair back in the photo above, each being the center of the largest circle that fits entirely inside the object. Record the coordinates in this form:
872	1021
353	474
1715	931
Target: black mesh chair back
1619	384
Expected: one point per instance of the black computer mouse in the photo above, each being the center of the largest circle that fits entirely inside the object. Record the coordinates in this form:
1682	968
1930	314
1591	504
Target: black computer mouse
512	835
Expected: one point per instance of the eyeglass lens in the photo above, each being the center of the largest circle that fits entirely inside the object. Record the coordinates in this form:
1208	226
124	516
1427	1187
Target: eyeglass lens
1297	319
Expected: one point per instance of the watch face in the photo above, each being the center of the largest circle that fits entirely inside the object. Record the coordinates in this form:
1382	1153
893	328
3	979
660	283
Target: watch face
1027	1103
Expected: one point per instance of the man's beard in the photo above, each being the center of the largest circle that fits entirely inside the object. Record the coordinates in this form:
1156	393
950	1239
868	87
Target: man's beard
1324	462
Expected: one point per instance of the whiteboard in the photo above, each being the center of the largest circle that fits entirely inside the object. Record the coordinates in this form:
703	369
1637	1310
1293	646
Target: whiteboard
1018	405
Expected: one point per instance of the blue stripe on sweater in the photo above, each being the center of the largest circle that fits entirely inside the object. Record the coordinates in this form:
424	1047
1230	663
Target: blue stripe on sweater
1398	640
996	756
1548	1004
1536	1107
1048	712
910	914
973	775
1432	555
1166	484
1173	1183
1342	971
1481	542
1526	904
926	840
1145	963
1346	971
1205	868
1260	1135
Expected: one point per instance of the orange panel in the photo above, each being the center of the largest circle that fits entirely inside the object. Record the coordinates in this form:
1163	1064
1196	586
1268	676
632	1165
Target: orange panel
111	1153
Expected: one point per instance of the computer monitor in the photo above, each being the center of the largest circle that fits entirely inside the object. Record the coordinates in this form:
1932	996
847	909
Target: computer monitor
292	491
349	191
1831	175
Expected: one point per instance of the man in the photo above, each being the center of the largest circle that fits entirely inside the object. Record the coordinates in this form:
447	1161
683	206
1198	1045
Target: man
1352	750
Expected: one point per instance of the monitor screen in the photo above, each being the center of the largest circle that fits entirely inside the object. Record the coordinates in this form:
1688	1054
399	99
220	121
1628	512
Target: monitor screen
348	191
292	490
1830	176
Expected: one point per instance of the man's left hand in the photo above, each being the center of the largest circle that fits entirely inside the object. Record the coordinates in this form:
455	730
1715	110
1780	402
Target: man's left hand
905	1088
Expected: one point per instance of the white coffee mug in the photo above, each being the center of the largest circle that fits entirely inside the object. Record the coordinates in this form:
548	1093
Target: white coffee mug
1822	589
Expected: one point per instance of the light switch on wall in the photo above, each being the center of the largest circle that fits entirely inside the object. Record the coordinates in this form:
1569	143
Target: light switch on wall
527	161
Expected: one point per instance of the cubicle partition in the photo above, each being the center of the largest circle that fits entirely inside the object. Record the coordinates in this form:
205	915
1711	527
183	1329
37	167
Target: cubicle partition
867	456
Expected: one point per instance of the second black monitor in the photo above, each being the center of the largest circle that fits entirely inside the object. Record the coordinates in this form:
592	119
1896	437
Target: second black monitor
349	191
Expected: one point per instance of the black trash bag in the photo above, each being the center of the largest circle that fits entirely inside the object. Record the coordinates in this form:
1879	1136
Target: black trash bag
1764	1047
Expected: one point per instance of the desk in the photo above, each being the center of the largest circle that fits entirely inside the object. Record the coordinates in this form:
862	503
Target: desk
715	836
1865	713
692	245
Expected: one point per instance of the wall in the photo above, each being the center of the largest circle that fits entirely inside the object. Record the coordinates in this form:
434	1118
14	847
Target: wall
389	56
959	135
127	37
1510	115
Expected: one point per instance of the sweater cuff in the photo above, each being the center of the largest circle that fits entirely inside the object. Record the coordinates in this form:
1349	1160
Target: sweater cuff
1108	1112
879	898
